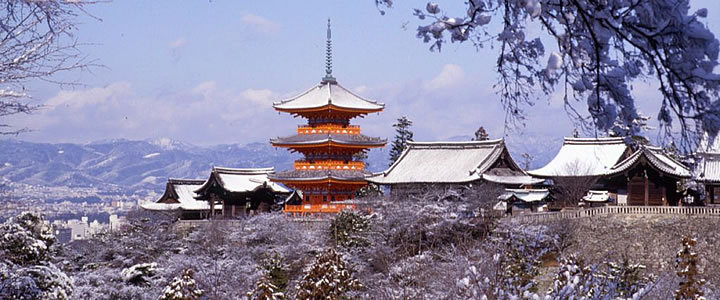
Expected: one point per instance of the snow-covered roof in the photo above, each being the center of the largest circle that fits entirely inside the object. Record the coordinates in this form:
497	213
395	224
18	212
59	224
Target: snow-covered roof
584	157
179	194
708	167
325	94
510	177
657	158
525	195
596	196
242	180
320	138
443	162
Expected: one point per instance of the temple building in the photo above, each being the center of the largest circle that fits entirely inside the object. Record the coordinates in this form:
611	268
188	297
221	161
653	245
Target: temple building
328	173
646	176
179	197
241	192
232	192
707	169
451	165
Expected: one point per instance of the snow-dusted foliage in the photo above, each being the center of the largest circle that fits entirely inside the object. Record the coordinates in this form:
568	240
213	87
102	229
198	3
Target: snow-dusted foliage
611	280
599	49
687	269
182	288
139	274
26	239
26	270
349	228
265	290
329	277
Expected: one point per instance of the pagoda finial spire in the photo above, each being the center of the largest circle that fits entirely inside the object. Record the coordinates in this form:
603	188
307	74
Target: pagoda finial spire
328	57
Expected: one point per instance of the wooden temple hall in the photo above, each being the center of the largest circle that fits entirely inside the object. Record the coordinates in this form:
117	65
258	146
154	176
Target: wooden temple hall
227	193
646	176
328	175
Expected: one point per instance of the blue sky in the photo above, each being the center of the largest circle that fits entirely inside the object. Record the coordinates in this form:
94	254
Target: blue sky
207	72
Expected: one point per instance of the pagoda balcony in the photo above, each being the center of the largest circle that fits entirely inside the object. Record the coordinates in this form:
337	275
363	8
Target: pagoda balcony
328	165
316	208
328	128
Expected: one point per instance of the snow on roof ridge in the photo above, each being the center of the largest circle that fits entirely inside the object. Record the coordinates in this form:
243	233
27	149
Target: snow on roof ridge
329	102
593	141
248	171
185	181
455	144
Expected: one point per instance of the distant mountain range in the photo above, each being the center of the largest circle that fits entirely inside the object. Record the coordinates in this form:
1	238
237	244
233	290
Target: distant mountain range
143	165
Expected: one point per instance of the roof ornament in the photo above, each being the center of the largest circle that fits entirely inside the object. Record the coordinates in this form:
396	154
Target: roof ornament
328	57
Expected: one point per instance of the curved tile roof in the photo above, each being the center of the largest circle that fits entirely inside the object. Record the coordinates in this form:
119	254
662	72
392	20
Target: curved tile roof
657	158
708	167
443	162
584	157
183	192
328	93
297	175
242	180
319	138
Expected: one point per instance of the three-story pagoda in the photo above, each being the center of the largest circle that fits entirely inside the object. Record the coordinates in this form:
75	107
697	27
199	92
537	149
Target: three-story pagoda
328	173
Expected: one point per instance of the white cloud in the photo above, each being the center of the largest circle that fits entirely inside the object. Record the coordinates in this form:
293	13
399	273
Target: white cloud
450	75
259	96
179	43
259	23
79	98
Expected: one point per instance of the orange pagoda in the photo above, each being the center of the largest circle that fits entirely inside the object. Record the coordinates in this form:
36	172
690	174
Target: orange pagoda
328	176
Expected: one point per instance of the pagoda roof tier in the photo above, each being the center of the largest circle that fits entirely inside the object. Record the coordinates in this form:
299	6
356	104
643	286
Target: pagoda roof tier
328	95
307	176
328	139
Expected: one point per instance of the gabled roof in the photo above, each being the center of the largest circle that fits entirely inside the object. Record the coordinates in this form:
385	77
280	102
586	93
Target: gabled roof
328	94
241	180
323	138
707	168
444	162
179	195
525	195
584	157
655	157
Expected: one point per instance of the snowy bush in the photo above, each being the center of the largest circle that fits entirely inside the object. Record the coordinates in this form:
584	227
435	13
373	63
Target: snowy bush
327	278
139	273
691	283
265	290
348	229
182	288
26	239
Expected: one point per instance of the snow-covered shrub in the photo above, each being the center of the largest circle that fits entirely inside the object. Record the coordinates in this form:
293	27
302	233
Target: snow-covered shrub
348	229
276	271
611	280
327	278
140	273
182	288
265	290
686	263
26	239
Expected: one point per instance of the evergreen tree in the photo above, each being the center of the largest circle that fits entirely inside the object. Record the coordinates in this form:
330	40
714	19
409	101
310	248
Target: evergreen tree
481	134
265	290
182	288
328	278
687	265
403	135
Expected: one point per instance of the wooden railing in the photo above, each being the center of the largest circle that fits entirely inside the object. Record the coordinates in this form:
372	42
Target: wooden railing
328	128
616	210
316	208
328	165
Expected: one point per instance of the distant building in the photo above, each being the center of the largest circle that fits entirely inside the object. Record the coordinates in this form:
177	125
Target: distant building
241	192
646	177
453	164
233	192
328	174
180	197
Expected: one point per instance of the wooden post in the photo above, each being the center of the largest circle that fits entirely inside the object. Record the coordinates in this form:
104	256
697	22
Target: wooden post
211	200
647	192
629	192
664	191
